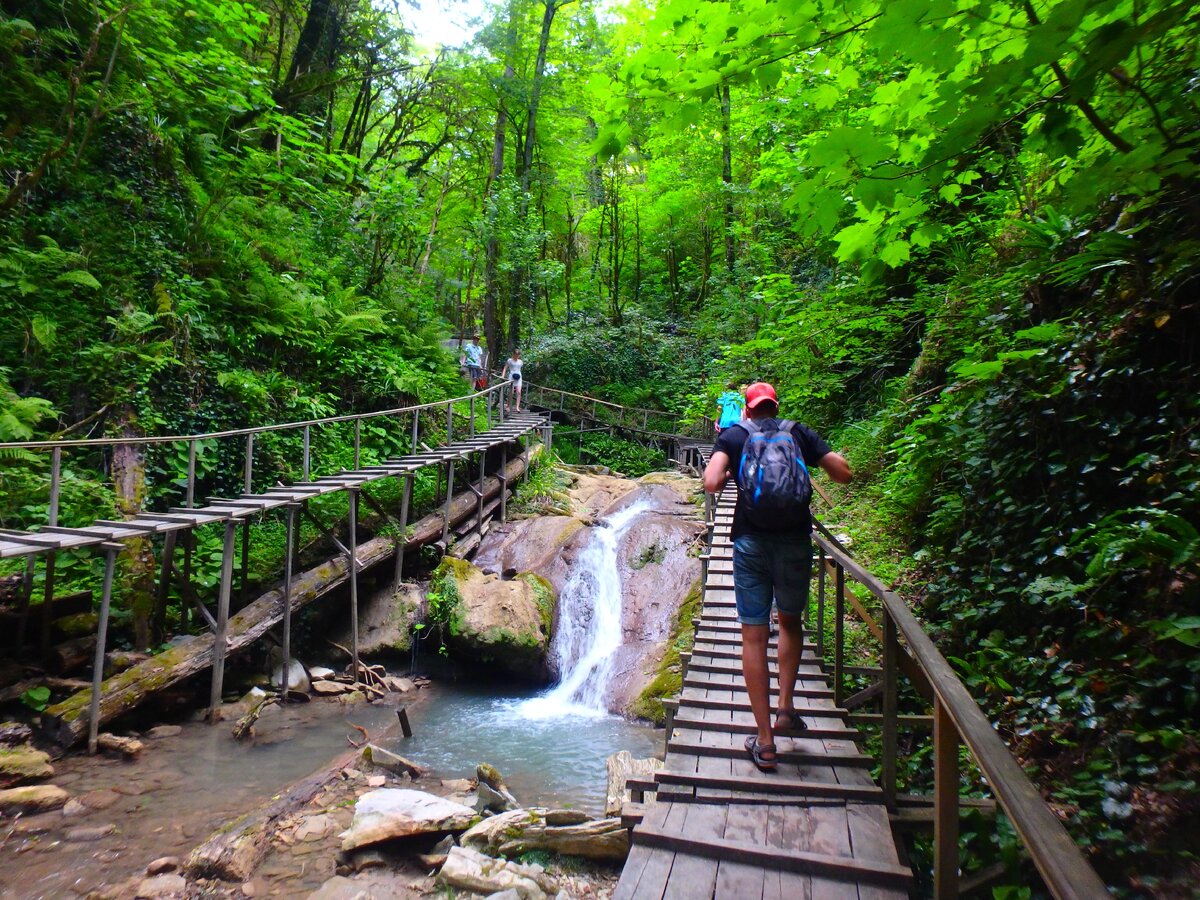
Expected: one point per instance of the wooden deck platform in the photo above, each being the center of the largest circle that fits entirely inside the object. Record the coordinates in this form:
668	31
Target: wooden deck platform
720	828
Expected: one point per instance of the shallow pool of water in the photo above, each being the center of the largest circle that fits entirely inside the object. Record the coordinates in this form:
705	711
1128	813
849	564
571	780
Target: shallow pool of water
186	785
547	760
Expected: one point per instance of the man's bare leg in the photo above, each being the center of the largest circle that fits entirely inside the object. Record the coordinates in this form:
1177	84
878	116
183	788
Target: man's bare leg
758	681
791	648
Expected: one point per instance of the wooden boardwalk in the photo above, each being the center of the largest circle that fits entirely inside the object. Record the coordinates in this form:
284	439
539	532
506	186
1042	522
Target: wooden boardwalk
720	828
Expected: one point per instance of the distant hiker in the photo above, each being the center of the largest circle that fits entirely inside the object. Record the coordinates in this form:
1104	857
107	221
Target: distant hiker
772	548
731	404
512	371
472	355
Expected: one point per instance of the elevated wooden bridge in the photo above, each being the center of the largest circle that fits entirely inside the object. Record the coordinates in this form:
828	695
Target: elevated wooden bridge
709	825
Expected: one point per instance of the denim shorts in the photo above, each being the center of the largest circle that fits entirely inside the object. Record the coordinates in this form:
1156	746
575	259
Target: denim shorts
766	567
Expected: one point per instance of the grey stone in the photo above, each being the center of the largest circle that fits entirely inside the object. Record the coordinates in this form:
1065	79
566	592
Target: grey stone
85	834
163	886
297	676
490	799
33	798
392	762
164	864
472	871
390	813
163	731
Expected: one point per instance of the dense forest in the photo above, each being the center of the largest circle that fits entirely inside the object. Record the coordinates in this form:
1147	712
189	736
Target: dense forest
960	237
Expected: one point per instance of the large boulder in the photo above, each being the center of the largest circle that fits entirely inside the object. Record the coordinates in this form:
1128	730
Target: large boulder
390	813
621	767
501	625
385	621
33	798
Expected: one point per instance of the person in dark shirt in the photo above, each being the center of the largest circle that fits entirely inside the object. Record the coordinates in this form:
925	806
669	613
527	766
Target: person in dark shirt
772	562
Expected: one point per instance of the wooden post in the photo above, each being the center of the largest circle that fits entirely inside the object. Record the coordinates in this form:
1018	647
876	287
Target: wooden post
821	606
357	442
110	560
503	483
247	480
164	583
307	453
890	650
415	429
293	511
479	507
839	621
449	423
219	638
945	804
51	558
401	540
471	432
352	575
449	499
189	537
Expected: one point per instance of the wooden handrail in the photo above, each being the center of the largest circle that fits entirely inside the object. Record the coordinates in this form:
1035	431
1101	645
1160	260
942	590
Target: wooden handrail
1058	859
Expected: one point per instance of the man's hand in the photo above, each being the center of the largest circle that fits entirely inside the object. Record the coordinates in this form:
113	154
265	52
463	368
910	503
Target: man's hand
716	473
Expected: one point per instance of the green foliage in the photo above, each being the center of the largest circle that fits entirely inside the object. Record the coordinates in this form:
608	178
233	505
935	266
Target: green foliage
36	698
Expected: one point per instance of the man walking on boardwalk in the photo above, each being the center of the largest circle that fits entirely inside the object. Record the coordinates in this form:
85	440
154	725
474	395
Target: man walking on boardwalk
772	548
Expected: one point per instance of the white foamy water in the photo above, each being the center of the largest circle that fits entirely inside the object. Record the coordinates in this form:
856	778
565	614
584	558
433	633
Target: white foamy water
589	626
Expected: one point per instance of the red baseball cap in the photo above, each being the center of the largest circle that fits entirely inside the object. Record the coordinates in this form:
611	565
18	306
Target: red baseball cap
759	392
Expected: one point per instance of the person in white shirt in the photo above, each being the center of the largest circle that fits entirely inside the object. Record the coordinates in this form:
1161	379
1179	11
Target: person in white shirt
473	357
512	371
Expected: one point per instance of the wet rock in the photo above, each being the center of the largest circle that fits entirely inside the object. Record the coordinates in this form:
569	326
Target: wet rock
459	785
163	731
353	698
83	835
74	809
364	860
164	864
32	799
399	685
376	781
14	733
390	813
121	746
472	871
102	799
393	762
342	888
510	894
297	676
319	673
621	766
161	886
559	817
331	688
40	823
22	764
490	799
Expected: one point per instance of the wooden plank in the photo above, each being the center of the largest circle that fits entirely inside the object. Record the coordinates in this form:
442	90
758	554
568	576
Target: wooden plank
830	836
777	783
751	728
783	830
795	755
737	880
833	867
871	838
816	712
646	869
695	875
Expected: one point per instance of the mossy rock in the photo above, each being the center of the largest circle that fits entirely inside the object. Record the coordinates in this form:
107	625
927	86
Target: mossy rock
668	680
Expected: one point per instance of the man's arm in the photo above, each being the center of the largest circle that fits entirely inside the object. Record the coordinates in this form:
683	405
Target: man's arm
716	473
835	467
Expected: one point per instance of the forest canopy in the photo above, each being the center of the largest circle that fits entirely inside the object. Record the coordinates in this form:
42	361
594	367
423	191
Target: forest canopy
959	236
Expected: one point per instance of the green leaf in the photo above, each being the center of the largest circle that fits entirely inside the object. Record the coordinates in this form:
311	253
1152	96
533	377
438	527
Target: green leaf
895	254
80	277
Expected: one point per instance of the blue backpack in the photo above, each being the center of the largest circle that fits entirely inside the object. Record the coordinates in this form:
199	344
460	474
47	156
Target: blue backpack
772	477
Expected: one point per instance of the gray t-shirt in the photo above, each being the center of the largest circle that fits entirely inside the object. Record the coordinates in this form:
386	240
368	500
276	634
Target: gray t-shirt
514	369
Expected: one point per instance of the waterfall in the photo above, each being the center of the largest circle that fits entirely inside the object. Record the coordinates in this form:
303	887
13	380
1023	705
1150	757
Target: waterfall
589	625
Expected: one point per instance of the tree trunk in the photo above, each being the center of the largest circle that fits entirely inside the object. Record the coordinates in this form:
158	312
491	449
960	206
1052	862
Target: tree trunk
129	484
437	214
727	176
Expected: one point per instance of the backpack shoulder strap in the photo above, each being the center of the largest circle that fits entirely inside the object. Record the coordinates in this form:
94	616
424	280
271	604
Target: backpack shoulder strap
750	425
786	425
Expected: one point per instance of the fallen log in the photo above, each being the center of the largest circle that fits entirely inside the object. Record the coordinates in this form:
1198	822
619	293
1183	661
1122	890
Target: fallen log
66	723
233	852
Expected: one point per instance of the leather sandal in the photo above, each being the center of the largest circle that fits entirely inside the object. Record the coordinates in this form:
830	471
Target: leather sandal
756	751
788	720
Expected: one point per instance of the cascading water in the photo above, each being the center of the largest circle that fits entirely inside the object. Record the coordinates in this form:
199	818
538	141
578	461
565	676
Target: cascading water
589	625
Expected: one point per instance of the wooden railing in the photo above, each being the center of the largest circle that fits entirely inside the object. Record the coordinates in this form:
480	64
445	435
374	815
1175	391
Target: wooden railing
653	422
956	720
